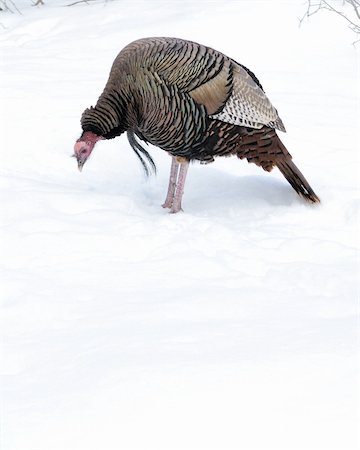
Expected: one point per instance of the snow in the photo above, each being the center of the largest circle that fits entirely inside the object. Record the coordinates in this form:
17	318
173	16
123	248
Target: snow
233	325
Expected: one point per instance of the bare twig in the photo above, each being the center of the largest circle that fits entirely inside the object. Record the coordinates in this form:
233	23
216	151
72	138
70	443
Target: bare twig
86	1
10	5
5	6
314	7
356	5
81	1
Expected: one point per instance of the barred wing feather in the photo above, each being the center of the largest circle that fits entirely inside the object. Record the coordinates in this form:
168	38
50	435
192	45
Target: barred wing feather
248	105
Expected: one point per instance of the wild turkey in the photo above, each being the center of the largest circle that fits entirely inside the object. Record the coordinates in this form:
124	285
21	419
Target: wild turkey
193	102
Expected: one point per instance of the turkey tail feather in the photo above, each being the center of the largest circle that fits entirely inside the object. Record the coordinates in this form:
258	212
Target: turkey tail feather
297	180
147	163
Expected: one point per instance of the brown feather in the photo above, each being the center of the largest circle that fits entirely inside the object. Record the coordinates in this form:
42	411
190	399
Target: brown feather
214	93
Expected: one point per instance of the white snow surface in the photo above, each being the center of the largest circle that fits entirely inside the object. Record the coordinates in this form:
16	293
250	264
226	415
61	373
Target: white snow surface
232	325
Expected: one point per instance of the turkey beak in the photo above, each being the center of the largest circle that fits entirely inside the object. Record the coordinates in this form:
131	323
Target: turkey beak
79	161
80	164
81	157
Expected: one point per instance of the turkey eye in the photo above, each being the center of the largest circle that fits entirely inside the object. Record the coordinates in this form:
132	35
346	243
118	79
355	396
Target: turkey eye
83	151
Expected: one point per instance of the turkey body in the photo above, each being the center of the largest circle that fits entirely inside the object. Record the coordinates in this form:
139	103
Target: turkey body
193	102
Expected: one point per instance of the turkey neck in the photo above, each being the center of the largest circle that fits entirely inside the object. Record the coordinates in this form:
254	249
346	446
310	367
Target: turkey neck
114	111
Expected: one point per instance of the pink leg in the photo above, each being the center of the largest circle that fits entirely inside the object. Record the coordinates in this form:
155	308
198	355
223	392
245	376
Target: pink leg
172	183
176	204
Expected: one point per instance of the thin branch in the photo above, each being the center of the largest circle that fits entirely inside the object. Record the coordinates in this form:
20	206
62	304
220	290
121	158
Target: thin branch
331	8
313	8
356	5
7	7
85	1
81	1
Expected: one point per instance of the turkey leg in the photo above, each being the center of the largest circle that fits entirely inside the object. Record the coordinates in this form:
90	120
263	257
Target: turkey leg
176	204
172	183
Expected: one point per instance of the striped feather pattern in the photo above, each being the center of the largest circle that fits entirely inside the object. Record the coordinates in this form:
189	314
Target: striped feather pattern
192	101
